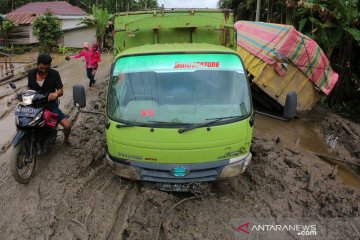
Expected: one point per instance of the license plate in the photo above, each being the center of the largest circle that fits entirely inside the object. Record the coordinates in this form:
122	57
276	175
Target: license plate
181	187
26	112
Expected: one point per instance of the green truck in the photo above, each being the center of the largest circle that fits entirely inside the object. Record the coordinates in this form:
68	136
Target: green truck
179	108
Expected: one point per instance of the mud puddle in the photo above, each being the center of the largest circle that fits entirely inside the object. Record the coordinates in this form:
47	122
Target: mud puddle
300	133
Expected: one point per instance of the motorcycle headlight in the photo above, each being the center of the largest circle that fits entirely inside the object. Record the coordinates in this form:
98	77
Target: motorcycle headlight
37	117
27	100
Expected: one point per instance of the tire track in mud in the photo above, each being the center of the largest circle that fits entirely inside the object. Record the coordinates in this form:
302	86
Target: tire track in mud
34	211
94	195
122	212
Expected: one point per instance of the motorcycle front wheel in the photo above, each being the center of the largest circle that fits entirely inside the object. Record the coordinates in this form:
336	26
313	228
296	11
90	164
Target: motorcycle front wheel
22	161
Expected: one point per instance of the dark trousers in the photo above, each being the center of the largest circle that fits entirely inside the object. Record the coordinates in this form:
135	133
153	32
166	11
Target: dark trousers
90	76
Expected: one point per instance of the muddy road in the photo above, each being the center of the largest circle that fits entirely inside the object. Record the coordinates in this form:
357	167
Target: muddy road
75	195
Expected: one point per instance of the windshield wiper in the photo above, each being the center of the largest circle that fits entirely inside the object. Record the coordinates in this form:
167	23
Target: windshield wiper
170	123
135	124
150	124
214	120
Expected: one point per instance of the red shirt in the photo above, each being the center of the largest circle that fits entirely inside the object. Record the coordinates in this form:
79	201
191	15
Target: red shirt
86	55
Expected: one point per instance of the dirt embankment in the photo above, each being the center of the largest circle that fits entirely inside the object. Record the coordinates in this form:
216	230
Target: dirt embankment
347	134
75	195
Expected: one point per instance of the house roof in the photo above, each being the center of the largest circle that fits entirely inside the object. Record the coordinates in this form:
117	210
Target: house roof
21	18
57	8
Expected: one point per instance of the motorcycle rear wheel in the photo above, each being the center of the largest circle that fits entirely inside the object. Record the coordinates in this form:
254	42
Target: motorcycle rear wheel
22	163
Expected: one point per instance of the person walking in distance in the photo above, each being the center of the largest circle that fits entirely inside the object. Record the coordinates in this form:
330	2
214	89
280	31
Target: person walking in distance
94	60
86	53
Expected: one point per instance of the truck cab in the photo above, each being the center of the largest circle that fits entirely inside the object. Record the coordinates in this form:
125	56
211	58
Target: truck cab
179	113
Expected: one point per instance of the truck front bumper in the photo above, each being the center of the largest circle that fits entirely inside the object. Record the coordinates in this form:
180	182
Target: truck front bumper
180	173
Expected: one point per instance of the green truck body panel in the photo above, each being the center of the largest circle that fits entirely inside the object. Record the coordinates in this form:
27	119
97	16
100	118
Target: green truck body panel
168	146
179	26
161	36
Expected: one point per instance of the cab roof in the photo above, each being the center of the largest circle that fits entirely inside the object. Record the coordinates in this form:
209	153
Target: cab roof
175	48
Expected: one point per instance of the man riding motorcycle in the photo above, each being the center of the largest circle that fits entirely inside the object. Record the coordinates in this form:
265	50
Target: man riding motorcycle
44	80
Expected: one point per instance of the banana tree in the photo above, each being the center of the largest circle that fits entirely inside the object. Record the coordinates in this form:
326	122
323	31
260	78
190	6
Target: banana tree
335	26
100	20
330	23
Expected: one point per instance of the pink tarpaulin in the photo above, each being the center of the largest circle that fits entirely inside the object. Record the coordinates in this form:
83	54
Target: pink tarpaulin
278	45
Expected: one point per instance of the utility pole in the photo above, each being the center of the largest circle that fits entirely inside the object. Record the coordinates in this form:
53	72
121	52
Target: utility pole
258	6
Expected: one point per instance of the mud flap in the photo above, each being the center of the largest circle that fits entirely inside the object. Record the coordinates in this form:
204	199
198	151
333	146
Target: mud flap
19	135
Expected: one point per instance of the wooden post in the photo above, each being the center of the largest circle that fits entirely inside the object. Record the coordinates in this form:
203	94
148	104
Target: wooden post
6	67
258	8
11	66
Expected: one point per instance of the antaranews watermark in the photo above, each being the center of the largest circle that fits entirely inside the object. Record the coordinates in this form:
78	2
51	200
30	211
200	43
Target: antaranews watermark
296	228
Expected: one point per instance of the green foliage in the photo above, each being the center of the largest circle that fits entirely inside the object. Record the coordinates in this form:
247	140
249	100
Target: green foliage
244	10
112	6
61	49
7	25
19	49
329	22
355	33
99	20
5	28
101	17
10	49
47	29
335	26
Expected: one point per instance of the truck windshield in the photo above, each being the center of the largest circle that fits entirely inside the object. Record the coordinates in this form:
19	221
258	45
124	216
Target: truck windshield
178	89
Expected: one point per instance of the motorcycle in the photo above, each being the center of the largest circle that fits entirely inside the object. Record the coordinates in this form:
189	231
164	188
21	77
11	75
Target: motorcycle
36	133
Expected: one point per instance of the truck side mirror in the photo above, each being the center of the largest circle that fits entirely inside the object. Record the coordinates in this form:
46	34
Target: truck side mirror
290	105
79	96
12	85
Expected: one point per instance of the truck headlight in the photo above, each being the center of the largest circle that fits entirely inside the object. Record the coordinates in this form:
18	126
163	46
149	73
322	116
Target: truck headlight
236	166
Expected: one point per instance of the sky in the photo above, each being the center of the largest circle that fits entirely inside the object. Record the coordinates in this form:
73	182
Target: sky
188	3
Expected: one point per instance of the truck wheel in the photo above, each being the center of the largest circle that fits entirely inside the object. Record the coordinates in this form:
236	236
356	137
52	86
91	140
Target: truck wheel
22	164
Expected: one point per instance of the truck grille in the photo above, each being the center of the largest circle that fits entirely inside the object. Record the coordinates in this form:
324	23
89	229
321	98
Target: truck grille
197	172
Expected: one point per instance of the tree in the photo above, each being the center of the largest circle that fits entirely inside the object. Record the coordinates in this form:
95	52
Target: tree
5	28
99	20
47	29
242	9
335	27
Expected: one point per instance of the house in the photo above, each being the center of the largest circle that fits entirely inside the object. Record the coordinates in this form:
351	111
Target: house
74	32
